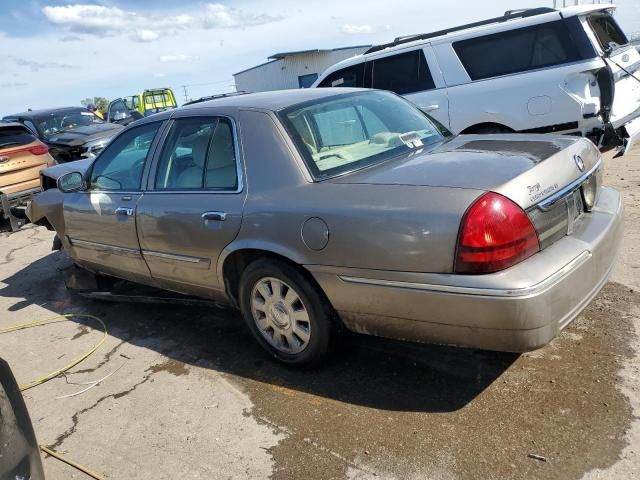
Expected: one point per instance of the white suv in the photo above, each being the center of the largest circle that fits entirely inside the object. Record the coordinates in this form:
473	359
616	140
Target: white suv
569	70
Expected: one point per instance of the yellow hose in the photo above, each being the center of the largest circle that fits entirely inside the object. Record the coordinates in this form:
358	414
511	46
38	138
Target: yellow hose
57	318
69	462
49	376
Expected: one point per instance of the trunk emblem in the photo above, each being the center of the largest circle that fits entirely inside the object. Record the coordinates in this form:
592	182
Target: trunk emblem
4	159
579	162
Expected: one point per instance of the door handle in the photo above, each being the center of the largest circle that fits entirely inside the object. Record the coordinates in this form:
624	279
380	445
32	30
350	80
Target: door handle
124	211
217	216
431	107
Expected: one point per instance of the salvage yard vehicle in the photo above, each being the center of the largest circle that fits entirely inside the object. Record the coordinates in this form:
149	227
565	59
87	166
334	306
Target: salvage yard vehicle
20	455
71	133
569	70
22	156
152	100
315	209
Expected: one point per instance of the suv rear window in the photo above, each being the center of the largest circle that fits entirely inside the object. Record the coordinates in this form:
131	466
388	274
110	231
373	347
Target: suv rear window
515	51
11	136
606	30
403	73
347	77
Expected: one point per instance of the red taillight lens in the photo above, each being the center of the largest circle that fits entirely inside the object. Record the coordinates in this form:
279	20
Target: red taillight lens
495	234
39	149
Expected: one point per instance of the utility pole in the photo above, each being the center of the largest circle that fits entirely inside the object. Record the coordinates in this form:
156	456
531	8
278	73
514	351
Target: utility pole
186	97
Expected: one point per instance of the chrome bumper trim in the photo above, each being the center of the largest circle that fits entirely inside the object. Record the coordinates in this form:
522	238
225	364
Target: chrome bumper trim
548	202
487	292
104	247
172	256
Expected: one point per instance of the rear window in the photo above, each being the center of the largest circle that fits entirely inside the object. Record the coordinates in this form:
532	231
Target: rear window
347	132
606	30
403	73
520	50
14	136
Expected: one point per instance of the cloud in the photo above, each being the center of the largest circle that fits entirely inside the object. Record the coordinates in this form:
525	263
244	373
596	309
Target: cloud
37	66
93	19
70	38
144	35
174	58
217	15
349	28
159	75
105	21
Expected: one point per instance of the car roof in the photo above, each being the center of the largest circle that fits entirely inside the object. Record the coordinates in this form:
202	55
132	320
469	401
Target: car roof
274	100
476	29
45	111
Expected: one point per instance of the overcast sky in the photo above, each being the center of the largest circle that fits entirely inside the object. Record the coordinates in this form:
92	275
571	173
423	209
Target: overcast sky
55	53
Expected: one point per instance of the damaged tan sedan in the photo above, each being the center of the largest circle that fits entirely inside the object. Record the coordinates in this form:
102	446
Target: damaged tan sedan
314	210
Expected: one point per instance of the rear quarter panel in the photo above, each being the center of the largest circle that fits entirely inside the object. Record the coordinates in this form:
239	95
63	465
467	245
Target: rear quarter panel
520	101
389	227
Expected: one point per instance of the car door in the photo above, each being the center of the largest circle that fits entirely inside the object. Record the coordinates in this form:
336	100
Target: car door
408	73
433	100
100	221
193	206
118	112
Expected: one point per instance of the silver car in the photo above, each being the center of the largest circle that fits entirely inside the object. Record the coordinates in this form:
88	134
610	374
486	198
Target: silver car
314	210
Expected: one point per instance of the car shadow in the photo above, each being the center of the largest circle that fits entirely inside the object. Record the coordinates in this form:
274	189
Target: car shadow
367	371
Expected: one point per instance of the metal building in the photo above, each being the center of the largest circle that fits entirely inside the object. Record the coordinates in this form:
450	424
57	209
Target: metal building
292	69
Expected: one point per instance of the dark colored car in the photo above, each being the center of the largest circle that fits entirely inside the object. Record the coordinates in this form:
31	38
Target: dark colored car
19	454
71	133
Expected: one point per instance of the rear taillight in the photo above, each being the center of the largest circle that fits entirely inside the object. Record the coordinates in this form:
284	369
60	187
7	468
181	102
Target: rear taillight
495	234
39	149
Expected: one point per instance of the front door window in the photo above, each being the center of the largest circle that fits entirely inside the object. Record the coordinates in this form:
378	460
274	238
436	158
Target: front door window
119	166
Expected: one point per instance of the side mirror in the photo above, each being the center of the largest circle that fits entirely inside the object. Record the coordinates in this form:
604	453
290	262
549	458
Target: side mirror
71	182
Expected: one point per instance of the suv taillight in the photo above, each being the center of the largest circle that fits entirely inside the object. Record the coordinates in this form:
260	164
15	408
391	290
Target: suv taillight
495	234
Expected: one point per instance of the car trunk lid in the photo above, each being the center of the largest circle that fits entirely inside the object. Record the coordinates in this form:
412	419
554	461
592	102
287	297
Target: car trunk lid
543	174
509	162
623	62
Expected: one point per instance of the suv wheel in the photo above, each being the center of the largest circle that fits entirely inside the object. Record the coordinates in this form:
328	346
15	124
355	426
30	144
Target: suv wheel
285	312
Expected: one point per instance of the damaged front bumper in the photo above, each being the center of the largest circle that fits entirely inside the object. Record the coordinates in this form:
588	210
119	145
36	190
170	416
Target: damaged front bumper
13	207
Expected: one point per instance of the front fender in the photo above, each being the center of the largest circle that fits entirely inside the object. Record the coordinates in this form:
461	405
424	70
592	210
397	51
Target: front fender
48	205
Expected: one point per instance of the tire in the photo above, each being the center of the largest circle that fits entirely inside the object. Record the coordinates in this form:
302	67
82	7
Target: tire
295	331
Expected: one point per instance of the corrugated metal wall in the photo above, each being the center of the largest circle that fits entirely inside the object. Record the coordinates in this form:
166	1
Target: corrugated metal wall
284	73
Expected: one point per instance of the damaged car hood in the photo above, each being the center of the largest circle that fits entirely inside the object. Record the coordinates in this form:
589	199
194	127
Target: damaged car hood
77	166
81	135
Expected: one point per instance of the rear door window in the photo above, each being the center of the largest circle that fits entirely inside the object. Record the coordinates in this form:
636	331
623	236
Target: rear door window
198	153
15	136
352	76
403	73
606	30
516	51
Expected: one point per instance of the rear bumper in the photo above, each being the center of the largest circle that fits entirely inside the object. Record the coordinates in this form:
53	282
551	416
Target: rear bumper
519	309
15	204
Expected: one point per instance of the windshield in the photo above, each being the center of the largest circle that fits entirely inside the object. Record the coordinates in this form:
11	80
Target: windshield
350	131
607	31
56	122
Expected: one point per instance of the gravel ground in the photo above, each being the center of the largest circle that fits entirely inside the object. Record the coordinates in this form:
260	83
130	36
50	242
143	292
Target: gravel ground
193	397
